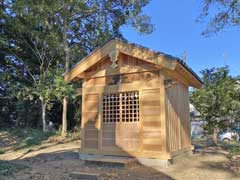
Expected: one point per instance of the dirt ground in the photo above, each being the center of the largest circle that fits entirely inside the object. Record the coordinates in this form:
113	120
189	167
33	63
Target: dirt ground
57	160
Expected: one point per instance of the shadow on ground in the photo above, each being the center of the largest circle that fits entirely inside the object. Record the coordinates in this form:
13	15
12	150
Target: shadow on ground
60	164
215	159
58	161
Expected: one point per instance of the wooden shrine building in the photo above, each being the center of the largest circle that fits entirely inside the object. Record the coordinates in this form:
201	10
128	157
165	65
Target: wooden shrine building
135	102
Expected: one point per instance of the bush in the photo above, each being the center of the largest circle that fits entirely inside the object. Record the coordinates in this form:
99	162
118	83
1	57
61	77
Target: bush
30	137
75	134
233	148
8	168
2	151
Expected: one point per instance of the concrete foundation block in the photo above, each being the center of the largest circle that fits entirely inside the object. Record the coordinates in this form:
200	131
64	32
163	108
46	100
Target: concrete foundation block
108	161
154	162
89	156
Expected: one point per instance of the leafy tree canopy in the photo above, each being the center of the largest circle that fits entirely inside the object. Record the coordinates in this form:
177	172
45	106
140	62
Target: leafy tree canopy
37	38
222	14
218	100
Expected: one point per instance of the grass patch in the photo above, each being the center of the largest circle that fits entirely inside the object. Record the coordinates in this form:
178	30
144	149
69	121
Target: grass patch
232	147
74	135
29	137
2	151
71	135
7	169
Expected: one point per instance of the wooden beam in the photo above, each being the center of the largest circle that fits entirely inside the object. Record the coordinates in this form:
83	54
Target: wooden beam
123	47
123	70
119	152
176	76
163	119
160	60
193	81
145	55
90	60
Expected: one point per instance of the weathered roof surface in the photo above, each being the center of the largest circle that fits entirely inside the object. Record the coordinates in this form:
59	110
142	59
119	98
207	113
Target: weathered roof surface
141	47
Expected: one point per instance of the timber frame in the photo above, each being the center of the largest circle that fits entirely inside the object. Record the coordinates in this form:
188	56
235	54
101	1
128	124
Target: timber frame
135	101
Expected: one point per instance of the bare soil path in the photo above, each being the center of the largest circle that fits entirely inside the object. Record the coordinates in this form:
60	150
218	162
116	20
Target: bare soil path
210	163
56	160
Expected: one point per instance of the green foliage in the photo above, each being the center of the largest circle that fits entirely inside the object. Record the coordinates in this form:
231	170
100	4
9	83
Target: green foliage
8	168
222	13
75	134
235	150
232	147
29	137
2	151
35	37
218	100
53	87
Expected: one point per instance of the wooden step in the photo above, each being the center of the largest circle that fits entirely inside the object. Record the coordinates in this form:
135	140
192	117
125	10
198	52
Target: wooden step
112	161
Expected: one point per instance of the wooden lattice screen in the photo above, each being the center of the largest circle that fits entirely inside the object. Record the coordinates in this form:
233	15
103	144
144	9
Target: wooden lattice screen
121	107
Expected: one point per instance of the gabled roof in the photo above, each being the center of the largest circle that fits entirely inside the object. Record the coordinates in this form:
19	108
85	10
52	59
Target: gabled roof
158	58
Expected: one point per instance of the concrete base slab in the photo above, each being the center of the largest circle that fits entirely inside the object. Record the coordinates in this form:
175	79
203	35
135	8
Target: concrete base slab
89	156
129	162
154	162
182	156
109	161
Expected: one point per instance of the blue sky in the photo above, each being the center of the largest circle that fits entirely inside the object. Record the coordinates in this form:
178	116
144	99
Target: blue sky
176	30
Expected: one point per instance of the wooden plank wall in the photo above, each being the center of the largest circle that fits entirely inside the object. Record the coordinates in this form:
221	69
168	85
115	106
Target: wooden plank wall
109	135
147	135
90	116
121	136
151	125
126	63
177	114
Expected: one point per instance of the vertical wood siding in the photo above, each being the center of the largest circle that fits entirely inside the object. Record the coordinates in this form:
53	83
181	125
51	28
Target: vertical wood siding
163	125
177	111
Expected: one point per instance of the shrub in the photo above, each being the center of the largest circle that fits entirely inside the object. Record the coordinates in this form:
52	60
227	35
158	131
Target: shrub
233	148
8	168
2	151
30	137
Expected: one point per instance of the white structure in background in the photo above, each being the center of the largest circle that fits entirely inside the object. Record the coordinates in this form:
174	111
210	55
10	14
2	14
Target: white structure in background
197	123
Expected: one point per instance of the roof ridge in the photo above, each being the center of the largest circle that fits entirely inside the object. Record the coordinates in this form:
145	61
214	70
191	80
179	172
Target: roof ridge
184	64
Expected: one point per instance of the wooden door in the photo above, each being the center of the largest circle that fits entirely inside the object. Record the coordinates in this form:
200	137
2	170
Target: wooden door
120	125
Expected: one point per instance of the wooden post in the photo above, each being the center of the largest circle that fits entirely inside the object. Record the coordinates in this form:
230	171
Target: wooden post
163	114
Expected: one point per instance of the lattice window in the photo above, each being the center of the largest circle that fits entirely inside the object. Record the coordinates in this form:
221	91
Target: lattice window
111	107
130	106
121	107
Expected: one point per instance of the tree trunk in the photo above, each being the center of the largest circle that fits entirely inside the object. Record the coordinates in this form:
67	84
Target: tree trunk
44	104
67	57
64	117
215	139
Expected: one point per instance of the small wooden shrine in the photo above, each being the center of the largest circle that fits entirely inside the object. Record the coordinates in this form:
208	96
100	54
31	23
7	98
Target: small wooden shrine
135	102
